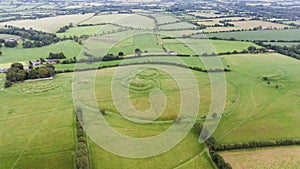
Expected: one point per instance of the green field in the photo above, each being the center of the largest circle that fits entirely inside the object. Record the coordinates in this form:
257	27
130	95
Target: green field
205	46
38	127
5	36
89	30
37	130
145	42
257	110
69	48
164	19
260	35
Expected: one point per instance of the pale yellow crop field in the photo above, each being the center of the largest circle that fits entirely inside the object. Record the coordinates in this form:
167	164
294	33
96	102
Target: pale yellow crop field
50	24
254	24
279	157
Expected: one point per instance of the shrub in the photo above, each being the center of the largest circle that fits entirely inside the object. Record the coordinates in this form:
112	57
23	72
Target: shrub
7	83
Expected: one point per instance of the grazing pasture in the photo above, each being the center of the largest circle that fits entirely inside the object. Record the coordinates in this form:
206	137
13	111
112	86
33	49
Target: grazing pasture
69	48
179	156
260	35
37	130
127	20
50	24
261	109
205	46
141	86
275	157
147	43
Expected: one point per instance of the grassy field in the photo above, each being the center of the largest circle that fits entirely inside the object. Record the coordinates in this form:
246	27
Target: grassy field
37	130
179	157
129	20
89	30
205	46
69	48
279	157
6	36
258	110
255	24
50	24
260	35
181	154
140	90
164	19
145	42
179	25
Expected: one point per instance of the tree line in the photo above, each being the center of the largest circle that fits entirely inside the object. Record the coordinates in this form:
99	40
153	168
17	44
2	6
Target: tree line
39	38
211	143
292	51
17	73
214	147
82	152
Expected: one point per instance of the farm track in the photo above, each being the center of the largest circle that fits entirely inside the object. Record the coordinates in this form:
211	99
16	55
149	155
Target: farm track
191	159
245	119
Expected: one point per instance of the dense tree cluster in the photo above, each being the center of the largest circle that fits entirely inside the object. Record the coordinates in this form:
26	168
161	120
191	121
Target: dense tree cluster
10	44
17	73
59	55
40	38
65	28
292	51
255	144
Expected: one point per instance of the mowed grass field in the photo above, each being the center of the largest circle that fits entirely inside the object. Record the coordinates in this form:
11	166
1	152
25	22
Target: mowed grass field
276	157
10	55
256	110
260	35
205	46
37	124
50	24
128	20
